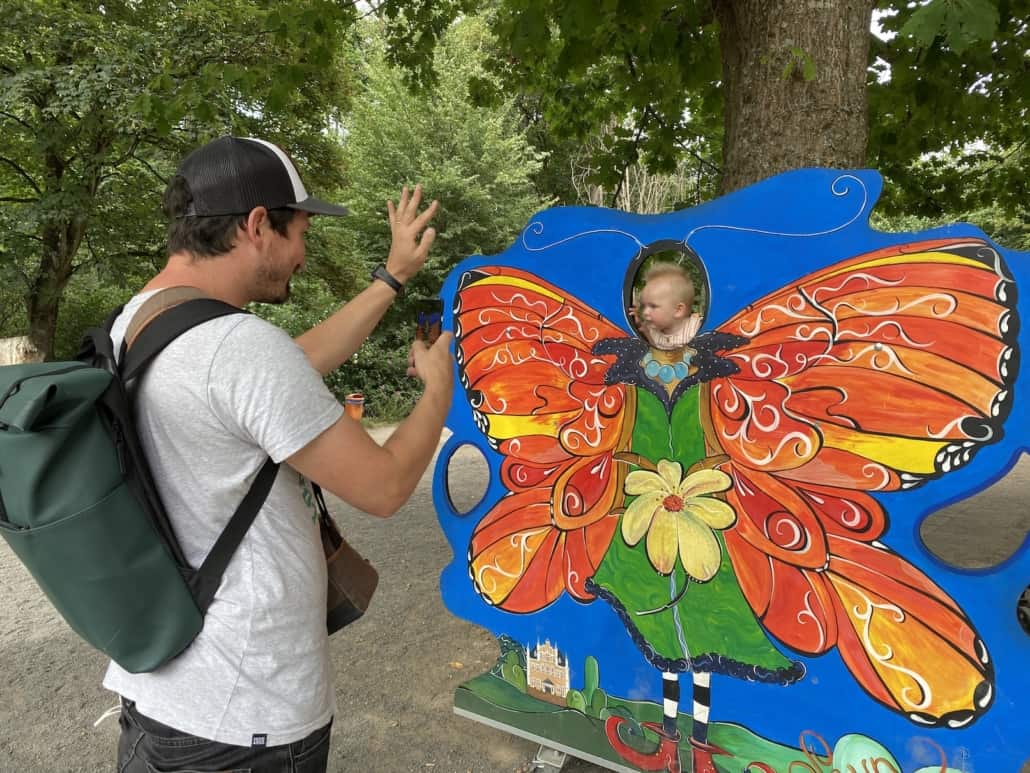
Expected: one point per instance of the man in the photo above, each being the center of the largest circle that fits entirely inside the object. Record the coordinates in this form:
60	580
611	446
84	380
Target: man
253	690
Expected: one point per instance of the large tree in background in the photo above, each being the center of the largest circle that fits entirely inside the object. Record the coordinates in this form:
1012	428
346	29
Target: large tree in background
794	85
98	99
761	86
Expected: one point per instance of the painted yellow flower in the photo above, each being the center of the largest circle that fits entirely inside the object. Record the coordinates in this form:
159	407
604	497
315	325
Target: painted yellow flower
677	516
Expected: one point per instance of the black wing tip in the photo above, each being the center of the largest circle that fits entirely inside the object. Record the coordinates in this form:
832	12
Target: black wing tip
470	277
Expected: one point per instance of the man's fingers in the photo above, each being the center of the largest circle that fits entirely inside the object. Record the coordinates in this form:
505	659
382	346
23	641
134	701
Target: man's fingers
391	213
416	199
428	237
425	217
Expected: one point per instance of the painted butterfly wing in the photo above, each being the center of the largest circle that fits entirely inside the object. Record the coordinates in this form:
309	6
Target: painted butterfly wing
539	395
876	374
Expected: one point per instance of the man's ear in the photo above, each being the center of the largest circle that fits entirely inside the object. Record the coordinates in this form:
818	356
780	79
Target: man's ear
256	225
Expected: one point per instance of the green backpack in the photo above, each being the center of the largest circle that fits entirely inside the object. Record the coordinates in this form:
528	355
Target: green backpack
78	504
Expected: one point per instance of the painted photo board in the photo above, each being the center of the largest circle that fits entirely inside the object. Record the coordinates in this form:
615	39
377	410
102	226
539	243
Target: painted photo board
699	548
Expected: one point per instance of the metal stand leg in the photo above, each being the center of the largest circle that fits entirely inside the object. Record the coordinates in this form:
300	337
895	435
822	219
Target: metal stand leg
548	760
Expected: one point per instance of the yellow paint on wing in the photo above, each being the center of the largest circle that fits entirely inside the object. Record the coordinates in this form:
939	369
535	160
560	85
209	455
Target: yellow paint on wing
503	427
921	669
514	281
899	453
914	257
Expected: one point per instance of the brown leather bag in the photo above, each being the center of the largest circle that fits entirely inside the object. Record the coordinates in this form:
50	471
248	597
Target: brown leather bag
352	578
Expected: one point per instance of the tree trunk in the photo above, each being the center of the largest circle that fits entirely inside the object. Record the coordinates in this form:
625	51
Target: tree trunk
61	236
60	243
795	85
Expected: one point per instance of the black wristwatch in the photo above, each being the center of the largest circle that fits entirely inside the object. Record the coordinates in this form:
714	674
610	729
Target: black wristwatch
380	273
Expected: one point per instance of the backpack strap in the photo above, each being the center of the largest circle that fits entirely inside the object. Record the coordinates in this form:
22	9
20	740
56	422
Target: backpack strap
160	320
204	584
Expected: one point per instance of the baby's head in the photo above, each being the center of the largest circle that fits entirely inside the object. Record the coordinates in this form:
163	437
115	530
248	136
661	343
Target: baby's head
667	298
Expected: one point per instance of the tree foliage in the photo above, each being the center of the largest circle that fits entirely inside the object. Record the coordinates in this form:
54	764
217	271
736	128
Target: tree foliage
98	101
475	161
949	104
947	77
645	71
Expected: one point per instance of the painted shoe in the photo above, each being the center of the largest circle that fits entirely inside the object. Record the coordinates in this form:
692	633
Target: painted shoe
664	758
701	755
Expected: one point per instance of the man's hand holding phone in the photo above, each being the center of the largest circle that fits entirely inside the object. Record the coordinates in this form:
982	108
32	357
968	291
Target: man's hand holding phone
430	358
428	319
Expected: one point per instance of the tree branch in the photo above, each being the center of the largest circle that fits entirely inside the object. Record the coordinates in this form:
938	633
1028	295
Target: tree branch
22	121
18	200
697	157
636	144
150	169
130	153
23	173
373	9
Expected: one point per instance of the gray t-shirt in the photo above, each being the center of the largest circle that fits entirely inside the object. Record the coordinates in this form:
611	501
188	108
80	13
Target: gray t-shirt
211	408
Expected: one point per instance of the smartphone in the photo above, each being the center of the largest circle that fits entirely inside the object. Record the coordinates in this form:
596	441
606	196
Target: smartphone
428	319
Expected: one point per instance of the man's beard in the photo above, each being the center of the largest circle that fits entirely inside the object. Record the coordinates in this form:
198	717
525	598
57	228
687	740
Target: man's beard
273	287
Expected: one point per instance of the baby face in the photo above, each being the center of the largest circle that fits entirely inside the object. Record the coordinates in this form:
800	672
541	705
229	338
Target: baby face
664	303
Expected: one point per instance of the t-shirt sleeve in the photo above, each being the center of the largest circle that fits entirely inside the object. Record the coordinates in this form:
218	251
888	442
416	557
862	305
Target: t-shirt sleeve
264	390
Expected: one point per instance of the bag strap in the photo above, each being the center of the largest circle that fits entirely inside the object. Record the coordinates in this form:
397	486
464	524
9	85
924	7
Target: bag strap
204	584
160	301
160	320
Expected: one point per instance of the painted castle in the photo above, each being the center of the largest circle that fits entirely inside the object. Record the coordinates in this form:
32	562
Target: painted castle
547	673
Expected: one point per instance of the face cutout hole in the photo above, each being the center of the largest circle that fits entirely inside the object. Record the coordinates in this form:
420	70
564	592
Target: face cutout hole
656	255
468	477
985	529
1023	610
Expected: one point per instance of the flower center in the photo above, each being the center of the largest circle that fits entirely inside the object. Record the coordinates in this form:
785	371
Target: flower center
672	503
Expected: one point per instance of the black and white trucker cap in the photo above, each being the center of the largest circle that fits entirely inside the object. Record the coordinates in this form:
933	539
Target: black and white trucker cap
233	175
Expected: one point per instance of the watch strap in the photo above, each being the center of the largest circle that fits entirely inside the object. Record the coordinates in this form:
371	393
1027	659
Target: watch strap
380	273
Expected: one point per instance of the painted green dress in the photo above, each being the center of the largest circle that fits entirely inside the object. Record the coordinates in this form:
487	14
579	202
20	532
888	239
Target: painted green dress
710	627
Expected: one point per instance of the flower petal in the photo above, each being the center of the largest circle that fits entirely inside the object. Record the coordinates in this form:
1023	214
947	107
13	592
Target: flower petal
714	512
699	550
644	481
671	473
638	515
661	541
703	482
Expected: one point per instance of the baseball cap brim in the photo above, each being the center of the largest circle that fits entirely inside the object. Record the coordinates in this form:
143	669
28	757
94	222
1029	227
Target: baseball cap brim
319	207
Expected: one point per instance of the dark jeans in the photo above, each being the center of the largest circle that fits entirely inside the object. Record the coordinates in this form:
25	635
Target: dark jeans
147	746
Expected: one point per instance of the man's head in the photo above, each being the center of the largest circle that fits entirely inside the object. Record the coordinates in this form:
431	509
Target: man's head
668	296
218	185
235	187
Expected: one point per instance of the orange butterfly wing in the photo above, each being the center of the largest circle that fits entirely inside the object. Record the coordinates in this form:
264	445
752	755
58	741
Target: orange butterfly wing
539	395
875	374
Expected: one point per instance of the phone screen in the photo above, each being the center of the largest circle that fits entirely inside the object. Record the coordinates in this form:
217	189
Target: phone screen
428	319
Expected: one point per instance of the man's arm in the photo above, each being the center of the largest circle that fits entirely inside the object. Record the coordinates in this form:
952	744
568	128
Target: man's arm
346	461
329	344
